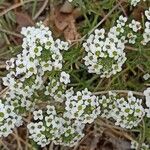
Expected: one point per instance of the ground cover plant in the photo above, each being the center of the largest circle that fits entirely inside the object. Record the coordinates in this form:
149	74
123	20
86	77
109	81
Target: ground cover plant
75	75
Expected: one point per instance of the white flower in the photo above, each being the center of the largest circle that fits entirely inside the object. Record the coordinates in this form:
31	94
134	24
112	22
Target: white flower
122	110
147	112
146	76
134	2
135	25
147	14
46	66
132	38
99	33
105	56
38	115
8	119
10	64
147	96
51	110
64	77
122	20
134	145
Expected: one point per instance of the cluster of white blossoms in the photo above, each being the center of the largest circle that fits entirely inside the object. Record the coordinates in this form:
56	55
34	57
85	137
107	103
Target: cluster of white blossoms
8	119
135	2
147	97
82	106
40	57
126	112
135	146
64	127
135	28
37	74
57	86
50	126
105	55
146	34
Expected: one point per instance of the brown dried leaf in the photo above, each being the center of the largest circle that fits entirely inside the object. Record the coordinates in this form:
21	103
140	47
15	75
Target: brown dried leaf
66	8
64	23
23	20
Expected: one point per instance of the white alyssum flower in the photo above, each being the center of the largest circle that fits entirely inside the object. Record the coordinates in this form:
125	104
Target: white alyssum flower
147	14
146	76
64	77
55	128
8	119
38	115
127	113
147	96
146	33
56	89
105	55
41	54
132	38
134	2
82	106
135	146
135	25
147	99
122	20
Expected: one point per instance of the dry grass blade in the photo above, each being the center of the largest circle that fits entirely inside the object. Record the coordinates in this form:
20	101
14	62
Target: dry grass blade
19	147
15	6
11	33
40	10
3	92
4	145
119	91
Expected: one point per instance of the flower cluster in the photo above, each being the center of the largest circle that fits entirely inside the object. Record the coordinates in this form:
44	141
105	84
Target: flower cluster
105	55
134	31
135	2
64	125
135	146
40	57
52	127
132	28
146	34
82	106
8	119
147	97
57	86
126	112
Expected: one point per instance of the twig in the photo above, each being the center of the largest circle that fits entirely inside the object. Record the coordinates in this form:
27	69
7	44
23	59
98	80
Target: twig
11	33
119	91
51	146
40	10
29	145
3	91
131	48
114	129
142	136
122	8
4	145
14	6
18	141
2	66
84	138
